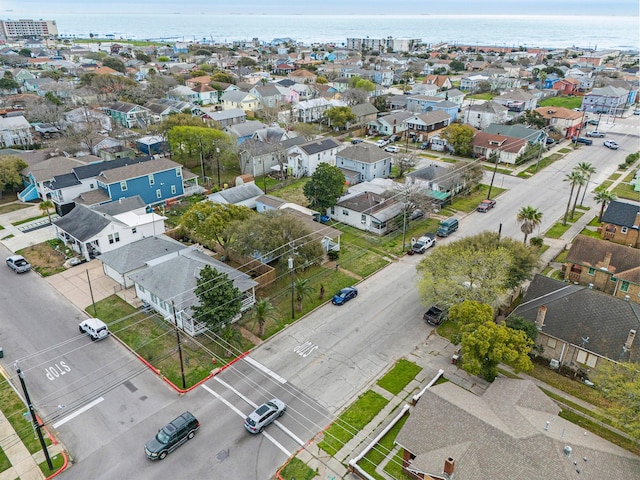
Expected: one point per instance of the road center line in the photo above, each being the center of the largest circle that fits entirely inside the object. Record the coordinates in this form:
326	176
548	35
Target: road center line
264	369
78	412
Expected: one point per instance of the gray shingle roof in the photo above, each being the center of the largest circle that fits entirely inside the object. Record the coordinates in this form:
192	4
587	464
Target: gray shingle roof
135	255
137	170
317	146
621	213
120	206
238	194
363	153
245	129
82	223
575	312
502	436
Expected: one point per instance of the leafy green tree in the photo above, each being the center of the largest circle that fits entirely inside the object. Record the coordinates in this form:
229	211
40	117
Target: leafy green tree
116	64
339	117
325	187
459	136
529	218
189	143
219	299
49	96
274	236
8	84
10	168
380	102
143	57
366	85
620	384
303	289
603	197
519	323
247	62
24	52
468	314
181	120
488	345
163	58
263	310
223	77
459	271
574	178
320	80
232	338
456	65
45	207
213	222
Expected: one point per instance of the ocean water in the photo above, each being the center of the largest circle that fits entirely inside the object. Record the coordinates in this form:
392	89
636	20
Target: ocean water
546	31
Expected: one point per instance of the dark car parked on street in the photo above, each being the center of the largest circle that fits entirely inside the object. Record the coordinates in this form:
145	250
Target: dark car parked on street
344	295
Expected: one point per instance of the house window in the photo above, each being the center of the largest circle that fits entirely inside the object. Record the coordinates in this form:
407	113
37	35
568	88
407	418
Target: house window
114	238
173	189
363	218
592	271
151	179
134	230
345	212
333	210
123	186
624	229
551	342
178	172
624	287
613	279
158	193
141	288
91	185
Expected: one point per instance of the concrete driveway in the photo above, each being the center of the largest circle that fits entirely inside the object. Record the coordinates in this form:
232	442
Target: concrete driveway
73	284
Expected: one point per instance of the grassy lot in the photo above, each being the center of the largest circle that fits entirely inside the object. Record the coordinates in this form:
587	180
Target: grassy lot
503	171
562	256
468	203
297	469
11	235
399	376
46	258
351	421
383	449
175	212
154	339
566	102
590	233
293	192
544	162
625	190
13	207
595	222
482	96
557	230
27	220
565	150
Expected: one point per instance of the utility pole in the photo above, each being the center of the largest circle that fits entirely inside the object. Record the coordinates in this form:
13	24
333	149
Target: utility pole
175	321
218	165
291	269
34	419
493	176
201	159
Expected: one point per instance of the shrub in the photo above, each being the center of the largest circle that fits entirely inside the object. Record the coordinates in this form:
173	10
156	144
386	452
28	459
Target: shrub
536	242
333	254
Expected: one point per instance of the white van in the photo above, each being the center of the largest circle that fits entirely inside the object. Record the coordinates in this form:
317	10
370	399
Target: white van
95	328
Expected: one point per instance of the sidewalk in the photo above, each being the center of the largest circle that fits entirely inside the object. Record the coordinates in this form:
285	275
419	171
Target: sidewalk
27	234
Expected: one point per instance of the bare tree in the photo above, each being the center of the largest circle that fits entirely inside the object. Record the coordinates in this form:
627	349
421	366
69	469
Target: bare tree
354	96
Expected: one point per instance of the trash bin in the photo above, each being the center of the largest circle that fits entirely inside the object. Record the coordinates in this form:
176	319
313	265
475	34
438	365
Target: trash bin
1	353
454	359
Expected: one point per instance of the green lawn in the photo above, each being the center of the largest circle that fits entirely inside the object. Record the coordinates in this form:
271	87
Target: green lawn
625	190
557	230
12	207
27	220
383	449
351	421
399	376
297	469
570	102
536	167
590	233
481	96
468	203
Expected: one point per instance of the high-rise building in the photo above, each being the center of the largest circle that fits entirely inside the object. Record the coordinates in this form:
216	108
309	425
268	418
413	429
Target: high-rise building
28	28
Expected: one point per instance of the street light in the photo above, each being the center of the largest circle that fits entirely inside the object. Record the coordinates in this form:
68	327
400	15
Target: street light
290	264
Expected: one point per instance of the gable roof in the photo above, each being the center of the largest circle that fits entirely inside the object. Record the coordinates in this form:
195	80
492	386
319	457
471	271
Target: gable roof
518	131
558	112
137	170
592	252
575	312
237	194
498	142
501	435
135	255
120	206
372	204
364	153
363	109
621	213
83	223
47	169
317	146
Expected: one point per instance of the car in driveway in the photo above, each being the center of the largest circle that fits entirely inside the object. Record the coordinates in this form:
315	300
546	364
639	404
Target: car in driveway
382	143
394	138
392	149
423	243
595	134
18	264
264	415
416	214
344	295
435	315
611	144
486	205
171	436
424	145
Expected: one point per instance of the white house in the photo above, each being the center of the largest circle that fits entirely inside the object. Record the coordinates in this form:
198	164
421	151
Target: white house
302	160
184	269
366	161
484	114
92	231
367	211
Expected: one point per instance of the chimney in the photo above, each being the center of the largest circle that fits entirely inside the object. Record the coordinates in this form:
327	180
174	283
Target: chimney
542	312
449	463
607	260
630	337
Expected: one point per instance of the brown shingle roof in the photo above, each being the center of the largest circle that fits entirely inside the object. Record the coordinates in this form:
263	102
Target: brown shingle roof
137	170
592	252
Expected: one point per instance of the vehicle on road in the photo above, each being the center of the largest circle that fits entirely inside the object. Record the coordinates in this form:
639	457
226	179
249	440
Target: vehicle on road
593	121
611	144
171	436
382	143
486	205
344	295
424	243
636	111
95	328
595	134
18	264
416	214
435	315
264	415
355	141
447	227
392	149
584	141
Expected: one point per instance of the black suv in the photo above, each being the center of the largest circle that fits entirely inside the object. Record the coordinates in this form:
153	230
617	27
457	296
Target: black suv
171	436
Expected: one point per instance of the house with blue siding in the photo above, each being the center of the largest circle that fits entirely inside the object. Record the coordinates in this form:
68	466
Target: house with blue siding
424	103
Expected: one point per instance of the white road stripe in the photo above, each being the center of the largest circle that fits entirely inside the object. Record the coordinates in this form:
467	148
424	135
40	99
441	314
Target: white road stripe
78	412
219	397
261	367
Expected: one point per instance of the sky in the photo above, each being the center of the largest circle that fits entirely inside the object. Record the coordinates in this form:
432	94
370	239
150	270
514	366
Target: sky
41	9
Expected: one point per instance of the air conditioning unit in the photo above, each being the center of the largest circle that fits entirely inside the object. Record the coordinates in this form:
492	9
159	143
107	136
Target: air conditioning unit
554	364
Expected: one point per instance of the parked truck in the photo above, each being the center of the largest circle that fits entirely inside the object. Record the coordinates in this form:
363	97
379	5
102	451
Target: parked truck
435	315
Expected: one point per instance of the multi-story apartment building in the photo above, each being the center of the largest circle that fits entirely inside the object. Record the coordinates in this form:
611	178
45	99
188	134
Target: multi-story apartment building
28	28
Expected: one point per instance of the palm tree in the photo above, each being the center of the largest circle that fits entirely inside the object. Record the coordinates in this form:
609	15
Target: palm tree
604	198
581	181
45	206
303	289
587	170
231	337
573	178
263	310
530	218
